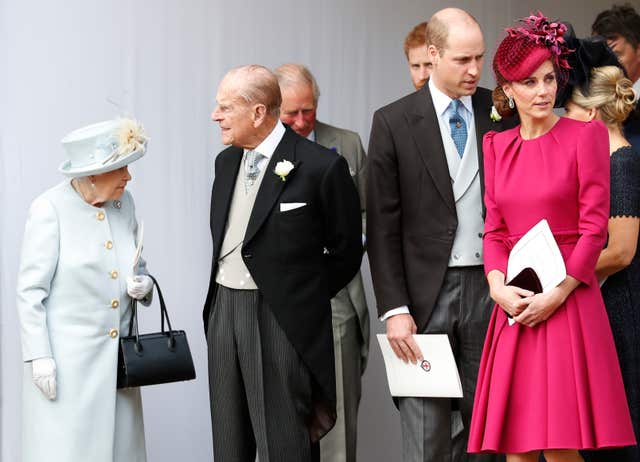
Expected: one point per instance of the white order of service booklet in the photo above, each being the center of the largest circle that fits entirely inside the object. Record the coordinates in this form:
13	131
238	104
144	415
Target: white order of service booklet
538	250
435	377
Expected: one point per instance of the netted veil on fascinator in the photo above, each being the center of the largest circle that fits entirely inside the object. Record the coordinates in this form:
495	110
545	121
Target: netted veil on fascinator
530	44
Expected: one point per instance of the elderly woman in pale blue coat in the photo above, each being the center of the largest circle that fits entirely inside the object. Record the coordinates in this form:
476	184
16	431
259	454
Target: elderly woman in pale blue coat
76	282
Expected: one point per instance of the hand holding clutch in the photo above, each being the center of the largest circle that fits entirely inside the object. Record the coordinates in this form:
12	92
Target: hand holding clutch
44	376
139	286
528	281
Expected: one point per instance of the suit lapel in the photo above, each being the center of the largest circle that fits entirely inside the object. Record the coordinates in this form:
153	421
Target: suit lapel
326	138
272	185
481	111
425	130
223	192
482	120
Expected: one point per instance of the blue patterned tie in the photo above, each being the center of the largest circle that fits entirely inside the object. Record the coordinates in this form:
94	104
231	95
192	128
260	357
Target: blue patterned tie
458	127
251	169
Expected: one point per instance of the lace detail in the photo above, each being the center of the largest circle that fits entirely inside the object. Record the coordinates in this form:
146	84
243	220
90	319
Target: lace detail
625	183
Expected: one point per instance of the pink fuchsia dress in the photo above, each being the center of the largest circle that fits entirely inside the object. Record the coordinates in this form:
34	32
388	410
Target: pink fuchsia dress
556	385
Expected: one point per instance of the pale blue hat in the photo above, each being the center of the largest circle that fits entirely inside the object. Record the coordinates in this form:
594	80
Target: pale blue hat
103	147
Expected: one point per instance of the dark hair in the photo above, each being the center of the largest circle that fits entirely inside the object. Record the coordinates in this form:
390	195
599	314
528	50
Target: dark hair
619	21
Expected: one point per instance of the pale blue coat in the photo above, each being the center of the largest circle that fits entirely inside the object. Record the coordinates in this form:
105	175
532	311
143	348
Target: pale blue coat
73	306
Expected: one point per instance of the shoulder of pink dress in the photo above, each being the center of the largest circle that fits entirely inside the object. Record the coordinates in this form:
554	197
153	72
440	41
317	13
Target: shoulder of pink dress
503	136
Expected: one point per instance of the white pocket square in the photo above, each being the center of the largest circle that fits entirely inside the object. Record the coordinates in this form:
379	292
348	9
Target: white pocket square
286	206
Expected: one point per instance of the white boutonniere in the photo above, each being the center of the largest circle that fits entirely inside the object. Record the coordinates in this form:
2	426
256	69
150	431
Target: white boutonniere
495	115
283	168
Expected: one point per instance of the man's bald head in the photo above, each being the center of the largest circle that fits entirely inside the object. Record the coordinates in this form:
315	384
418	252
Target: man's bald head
248	105
456	49
442	22
255	84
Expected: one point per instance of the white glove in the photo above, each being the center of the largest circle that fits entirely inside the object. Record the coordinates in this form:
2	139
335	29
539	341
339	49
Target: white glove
139	286
44	376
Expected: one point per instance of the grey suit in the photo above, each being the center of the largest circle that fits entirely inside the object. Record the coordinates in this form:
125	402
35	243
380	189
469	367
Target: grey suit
350	315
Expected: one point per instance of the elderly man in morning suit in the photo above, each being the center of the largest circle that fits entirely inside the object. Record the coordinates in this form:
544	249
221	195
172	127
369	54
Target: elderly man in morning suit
286	238
350	318
425	223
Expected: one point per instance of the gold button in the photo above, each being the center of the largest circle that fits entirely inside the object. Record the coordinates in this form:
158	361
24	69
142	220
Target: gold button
115	303
100	216
113	333
114	274
108	245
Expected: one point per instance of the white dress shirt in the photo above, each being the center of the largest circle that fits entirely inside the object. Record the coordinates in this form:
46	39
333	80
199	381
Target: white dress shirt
269	145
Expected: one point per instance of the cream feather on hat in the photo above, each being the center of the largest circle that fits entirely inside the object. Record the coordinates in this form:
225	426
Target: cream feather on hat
103	147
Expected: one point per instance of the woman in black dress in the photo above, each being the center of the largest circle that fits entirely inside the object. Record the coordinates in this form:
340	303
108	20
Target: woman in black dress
609	96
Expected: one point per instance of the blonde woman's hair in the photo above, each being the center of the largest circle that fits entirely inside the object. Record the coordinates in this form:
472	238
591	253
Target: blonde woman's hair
610	92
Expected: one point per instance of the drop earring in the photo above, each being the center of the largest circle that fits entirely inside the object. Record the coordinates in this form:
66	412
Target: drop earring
510	102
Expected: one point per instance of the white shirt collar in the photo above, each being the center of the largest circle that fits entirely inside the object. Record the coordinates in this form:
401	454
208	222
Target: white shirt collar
312	136
271	142
636	88
441	101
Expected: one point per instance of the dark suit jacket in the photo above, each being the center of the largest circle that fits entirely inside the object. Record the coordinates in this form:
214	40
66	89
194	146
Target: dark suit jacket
301	258
411	216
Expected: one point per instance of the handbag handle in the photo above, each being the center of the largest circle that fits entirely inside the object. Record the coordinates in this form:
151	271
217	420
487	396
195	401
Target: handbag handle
163	313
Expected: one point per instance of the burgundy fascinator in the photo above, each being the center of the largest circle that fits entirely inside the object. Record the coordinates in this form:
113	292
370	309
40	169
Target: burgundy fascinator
527	46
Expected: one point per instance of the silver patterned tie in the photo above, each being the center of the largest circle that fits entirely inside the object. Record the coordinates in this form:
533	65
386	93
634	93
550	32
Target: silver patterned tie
251	169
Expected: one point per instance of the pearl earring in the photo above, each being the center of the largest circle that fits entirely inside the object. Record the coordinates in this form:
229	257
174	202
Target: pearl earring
510	102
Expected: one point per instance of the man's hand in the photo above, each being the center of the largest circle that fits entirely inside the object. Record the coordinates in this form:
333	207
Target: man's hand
44	376
400	330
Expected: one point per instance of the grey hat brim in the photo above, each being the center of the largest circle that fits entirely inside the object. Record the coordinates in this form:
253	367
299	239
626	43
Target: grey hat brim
98	168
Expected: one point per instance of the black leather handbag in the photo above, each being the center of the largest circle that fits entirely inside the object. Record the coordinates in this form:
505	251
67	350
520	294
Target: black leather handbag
151	359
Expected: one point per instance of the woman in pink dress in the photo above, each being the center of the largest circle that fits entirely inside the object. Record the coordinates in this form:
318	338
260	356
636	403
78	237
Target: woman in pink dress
551	381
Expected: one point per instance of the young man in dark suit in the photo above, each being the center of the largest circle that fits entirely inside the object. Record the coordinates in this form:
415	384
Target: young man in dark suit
285	222
425	223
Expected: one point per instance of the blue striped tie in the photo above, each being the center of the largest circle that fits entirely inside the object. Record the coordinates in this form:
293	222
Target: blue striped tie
458	126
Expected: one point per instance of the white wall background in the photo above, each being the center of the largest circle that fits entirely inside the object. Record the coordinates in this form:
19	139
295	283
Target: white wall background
161	61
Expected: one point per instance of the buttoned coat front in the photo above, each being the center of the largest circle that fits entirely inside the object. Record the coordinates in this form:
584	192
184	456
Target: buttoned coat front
73	306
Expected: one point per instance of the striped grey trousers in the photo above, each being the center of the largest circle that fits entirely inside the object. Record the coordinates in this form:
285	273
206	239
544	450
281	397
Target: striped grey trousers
260	390
462	311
